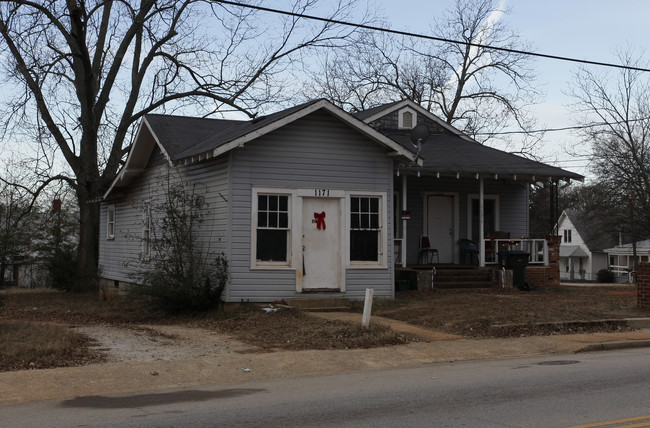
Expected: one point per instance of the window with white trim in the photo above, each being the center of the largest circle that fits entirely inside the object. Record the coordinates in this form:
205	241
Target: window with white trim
146	232
365	228
272	229
567	235
110	222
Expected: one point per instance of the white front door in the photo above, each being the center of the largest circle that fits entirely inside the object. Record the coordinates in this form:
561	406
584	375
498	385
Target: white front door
321	241
440	225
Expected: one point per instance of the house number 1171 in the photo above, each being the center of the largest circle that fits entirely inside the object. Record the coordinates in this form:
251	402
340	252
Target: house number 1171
321	192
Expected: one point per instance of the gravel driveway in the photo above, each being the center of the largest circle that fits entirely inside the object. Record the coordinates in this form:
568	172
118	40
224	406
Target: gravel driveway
146	343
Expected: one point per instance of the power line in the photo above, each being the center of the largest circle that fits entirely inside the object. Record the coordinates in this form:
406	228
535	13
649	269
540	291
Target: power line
566	128
423	36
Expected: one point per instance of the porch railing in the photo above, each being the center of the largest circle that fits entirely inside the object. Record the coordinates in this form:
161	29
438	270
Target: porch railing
537	248
623	271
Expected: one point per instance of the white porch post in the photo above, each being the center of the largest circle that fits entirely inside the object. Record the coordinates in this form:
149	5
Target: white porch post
481	226
403	249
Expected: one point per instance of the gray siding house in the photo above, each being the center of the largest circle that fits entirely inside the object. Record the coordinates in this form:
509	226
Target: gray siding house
315	201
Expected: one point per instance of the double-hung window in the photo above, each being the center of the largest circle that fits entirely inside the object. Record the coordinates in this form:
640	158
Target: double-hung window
365	229
110	222
273	229
567	235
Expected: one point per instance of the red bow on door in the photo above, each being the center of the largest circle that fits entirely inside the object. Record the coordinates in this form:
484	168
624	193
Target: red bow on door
320	220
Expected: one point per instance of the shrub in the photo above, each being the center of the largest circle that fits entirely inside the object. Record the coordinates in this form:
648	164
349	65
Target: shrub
605	275
62	270
183	275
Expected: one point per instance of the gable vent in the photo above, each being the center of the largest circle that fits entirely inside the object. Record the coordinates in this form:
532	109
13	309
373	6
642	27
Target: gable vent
407	119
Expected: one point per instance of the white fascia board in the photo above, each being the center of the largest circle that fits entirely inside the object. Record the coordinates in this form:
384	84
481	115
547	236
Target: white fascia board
138	156
321	104
421	110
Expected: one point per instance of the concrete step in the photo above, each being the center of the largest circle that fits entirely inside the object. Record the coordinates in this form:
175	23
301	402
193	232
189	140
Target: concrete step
466	278
319	303
447	278
454	285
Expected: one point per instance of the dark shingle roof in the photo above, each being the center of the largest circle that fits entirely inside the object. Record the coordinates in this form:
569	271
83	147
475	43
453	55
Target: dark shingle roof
451	152
183	137
448	153
371	111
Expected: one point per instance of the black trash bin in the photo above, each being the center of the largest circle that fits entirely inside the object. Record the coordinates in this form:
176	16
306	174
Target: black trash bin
517	261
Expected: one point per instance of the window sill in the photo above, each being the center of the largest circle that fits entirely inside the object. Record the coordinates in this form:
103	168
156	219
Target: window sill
369	265
272	266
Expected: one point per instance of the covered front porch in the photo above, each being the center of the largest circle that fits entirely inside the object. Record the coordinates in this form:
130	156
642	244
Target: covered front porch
462	221
433	276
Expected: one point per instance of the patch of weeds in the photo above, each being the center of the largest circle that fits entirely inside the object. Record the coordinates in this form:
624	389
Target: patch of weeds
35	346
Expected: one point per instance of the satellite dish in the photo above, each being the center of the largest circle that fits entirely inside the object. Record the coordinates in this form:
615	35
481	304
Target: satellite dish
419	135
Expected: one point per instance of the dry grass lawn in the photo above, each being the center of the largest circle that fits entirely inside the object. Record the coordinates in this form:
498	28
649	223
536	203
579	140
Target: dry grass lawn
509	312
27	345
33	324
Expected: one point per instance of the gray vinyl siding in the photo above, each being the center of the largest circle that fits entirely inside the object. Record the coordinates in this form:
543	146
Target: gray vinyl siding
513	206
317	151
120	258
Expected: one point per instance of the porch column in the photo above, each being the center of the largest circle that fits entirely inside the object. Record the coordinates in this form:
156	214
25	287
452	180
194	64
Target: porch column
404	221
481	226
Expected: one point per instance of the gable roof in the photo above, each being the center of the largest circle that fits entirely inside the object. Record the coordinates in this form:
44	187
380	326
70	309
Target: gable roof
380	111
219	136
186	139
455	154
588	227
641	247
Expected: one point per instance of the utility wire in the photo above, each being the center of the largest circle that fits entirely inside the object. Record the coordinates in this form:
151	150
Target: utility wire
423	36
566	128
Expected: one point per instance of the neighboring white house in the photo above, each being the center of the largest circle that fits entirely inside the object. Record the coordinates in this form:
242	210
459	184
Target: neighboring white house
621	259
582	250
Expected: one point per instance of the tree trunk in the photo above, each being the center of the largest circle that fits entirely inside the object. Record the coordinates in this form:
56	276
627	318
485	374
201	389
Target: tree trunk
88	249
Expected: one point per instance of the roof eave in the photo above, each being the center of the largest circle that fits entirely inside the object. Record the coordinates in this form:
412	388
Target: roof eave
138	156
395	148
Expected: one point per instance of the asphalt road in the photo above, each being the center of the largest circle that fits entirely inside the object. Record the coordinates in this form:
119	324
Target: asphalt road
553	391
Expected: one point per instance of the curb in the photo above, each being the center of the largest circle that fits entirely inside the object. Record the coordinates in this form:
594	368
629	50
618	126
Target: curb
611	346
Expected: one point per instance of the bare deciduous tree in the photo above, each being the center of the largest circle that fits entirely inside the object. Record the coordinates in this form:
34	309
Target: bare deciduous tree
84	71
478	90
614	107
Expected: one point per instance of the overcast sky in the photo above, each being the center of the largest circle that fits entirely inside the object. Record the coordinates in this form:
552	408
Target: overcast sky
584	29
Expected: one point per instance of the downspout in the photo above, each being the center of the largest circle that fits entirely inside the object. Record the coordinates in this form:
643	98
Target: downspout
404	221
481	225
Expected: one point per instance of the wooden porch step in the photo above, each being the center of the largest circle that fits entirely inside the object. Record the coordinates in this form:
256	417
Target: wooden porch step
319	303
